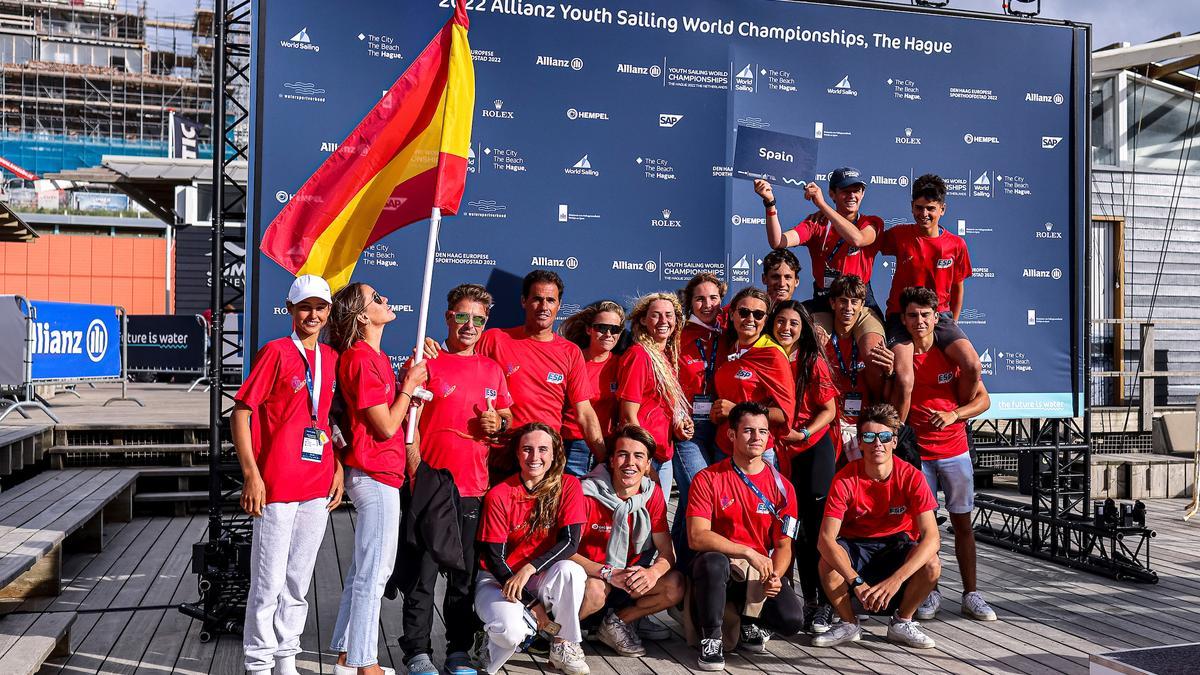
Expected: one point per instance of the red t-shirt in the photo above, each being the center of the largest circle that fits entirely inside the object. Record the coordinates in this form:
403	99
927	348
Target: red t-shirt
691	364
367	380
277	394
842	378
505	519
636	383
937	263
461	386
736	513
761	373
869	509
828	250
597	529
603	376
817	392
934	389
543	377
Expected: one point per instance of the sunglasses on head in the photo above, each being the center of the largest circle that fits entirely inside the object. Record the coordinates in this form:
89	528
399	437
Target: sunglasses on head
746	313
461	318
869	437
609	328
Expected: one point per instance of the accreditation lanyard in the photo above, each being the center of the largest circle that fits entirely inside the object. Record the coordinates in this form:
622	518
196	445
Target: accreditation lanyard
851	373
311	380
789	524
710	360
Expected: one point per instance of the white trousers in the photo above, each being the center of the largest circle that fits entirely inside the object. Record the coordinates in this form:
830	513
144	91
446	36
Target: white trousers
282	556
560	590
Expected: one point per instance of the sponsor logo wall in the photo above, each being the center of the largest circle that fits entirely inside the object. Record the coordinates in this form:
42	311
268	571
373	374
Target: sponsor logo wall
604	136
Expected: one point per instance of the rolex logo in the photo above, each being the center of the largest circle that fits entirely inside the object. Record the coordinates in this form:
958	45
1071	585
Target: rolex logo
498	103
666	213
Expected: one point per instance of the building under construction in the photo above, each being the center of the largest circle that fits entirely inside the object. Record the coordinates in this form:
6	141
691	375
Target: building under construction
87	78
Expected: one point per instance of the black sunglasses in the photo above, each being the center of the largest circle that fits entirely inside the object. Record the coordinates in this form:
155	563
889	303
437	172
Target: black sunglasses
375	297
609	328
746	313
869	437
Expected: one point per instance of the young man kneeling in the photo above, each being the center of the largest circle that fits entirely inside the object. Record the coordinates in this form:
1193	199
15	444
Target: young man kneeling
741	519
626	546
879	540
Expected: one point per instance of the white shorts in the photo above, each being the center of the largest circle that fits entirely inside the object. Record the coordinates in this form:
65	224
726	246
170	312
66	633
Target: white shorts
956	477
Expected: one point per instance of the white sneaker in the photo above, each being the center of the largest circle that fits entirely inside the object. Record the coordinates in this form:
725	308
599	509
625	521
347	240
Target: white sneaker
619	636
929	606
286	665
568	658
838	633
975	607
908	633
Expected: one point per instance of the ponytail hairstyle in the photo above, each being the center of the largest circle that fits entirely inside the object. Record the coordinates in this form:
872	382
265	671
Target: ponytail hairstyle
689	291
731	336
666	362
575	327
344	327
806	350
548	493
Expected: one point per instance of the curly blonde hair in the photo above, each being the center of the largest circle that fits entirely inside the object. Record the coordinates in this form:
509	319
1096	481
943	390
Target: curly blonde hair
666	361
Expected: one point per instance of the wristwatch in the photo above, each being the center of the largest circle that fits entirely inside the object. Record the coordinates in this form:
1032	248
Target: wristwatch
769	204
856	582
606	571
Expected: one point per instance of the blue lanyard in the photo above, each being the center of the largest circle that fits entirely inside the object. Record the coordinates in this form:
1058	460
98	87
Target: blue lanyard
710	364
848	372
758	493
313	394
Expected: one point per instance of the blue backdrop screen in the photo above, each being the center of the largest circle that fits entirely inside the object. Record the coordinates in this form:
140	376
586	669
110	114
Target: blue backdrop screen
604	137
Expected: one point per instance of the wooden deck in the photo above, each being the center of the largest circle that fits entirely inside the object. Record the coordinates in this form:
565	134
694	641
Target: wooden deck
1051	618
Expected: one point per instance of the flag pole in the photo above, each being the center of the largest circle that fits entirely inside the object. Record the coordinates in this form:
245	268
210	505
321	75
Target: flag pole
435	223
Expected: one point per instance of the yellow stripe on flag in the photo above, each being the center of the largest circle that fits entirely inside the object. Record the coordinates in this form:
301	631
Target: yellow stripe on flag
460	96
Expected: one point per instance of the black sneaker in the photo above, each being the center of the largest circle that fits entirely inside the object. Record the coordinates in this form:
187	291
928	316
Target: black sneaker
712	655
822	619
754	639
539	645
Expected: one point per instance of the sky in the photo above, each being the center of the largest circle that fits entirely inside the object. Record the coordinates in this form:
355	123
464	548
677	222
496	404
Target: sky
1132	21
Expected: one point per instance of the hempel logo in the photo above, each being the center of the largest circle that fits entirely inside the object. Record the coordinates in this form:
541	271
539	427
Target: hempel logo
93	341
972	138
576	114
301	41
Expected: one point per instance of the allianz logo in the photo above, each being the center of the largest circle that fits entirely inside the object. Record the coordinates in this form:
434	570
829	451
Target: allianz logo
93	341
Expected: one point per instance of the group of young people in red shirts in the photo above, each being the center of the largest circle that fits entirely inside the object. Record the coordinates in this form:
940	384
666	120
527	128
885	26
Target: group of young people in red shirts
543	462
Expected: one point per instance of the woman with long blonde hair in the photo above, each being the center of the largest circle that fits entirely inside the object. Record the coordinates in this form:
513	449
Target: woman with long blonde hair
596	329
648	388
530	527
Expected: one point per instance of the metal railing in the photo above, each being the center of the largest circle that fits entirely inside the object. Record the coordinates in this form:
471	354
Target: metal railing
1146	373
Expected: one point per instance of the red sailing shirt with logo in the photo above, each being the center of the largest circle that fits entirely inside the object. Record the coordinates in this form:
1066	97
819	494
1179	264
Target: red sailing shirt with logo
937	263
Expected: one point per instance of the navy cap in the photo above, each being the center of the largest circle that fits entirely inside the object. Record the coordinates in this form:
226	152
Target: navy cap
845	177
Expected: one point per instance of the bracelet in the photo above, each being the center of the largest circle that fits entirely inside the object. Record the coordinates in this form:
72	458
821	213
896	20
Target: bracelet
768	204
772	212
405	393
806	433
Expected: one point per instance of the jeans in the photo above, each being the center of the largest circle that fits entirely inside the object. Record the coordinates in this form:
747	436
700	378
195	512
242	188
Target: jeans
376	536
579	458
713	586
691	457
457	605
282	556
665	471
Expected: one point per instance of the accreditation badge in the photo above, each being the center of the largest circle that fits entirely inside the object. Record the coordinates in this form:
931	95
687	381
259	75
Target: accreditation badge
313	448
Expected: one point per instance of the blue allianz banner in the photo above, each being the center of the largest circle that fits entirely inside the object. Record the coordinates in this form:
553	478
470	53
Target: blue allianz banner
73	341
604	139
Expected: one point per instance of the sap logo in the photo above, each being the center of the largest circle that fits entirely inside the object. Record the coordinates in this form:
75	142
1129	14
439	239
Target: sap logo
945	378
908	138
394	203
1050	142
972	138
777	155
93	341
667	121
1033	97
497	111
554	378
300	41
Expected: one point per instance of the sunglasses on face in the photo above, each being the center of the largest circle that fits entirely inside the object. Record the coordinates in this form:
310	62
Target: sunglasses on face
375	298
461	318
746	313
606	328
869	437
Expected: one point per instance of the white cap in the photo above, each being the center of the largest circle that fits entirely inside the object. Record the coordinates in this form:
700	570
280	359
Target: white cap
309	286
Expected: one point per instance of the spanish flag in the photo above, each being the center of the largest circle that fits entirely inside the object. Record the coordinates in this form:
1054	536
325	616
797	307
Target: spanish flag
406	157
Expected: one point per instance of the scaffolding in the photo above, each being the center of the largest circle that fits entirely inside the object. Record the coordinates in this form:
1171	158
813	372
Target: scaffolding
82	79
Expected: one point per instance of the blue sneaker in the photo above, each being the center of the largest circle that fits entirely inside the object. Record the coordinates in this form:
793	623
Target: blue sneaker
458	663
